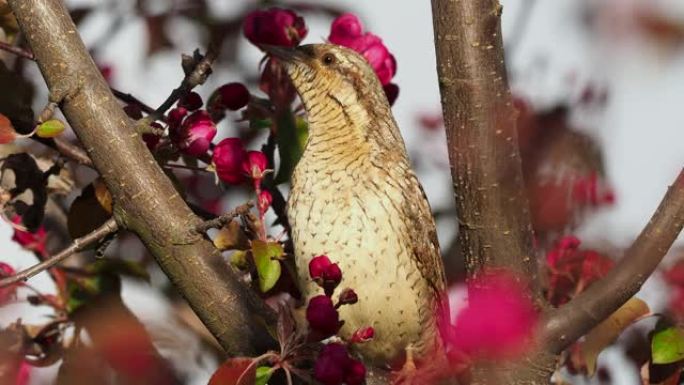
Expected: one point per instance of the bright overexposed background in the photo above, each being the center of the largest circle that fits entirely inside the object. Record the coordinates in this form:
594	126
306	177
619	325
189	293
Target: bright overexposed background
641	129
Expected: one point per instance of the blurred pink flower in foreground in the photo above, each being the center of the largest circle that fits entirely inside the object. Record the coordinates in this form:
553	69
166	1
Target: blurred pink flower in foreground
275	26
347	31
499	319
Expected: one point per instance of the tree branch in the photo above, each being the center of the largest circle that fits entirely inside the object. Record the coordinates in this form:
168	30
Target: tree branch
145	200
79	244
480	122
222	220
568	323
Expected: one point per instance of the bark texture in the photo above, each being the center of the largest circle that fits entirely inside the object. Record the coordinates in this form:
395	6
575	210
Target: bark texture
480	119
146	202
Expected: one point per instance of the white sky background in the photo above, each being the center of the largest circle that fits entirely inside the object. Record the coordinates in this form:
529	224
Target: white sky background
642	128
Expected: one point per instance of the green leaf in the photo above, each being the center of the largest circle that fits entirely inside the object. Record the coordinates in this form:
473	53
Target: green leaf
266	258
263	374
50	128
83	291
667	345
289	135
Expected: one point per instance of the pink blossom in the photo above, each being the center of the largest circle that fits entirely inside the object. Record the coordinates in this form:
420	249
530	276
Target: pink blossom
274	26
347	31
33	241
499	319
195	134
255	164
9	292
228	158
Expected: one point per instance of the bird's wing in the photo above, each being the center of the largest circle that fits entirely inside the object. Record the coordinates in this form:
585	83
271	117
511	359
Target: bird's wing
423	234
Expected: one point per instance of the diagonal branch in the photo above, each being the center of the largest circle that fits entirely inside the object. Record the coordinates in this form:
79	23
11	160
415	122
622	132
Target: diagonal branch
145	200
76	246
568	323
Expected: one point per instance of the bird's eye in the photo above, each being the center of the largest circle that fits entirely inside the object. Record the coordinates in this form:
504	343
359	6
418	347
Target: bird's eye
328	59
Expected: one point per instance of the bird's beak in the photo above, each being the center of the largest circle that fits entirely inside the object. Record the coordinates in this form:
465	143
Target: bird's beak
285	54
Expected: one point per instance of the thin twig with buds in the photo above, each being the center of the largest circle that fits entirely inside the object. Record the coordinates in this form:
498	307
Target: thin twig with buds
77	245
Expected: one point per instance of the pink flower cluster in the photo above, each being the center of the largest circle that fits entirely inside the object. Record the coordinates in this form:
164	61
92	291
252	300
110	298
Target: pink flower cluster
571	269
347	31
499	319
334	365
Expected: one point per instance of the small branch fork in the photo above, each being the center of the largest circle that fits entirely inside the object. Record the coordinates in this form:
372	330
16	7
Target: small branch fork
224	219
565	325
79	244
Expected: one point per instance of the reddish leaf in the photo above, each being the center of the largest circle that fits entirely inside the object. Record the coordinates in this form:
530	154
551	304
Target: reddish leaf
235	371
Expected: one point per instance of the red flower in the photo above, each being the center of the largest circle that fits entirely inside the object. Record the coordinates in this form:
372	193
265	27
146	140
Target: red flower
33	241
231	96
8	292
322	316
195	134
347	31
229	155
334	366
275	26
571	269
255	164
499	319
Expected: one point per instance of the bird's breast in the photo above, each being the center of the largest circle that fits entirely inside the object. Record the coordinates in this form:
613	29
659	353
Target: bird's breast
350	211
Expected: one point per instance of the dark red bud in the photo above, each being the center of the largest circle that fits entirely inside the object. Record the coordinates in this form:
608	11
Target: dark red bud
232	96
317	266
229	155
264	201
191	101
356	373
331	364
322	316
348	297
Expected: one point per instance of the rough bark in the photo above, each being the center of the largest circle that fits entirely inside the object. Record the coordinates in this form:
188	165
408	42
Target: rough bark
146	202
480	119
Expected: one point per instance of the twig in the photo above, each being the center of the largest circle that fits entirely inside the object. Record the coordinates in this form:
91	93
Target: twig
26	54
568	323
67	149
197	76
77	245
130	99
224	219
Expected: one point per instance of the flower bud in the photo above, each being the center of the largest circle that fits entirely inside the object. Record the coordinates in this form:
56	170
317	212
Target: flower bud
355	373
331	364
362	335
323	316
347	31
264	201
229	155
196	134
231	96
192	101
392	92
7	132
176	116
317	266
348	297
50	128
255	164
275	26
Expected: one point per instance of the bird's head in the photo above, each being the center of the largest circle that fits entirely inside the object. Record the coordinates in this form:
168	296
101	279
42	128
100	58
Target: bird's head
327	73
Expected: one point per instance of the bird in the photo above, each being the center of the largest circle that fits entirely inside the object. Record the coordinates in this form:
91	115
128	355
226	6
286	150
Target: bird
355	198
